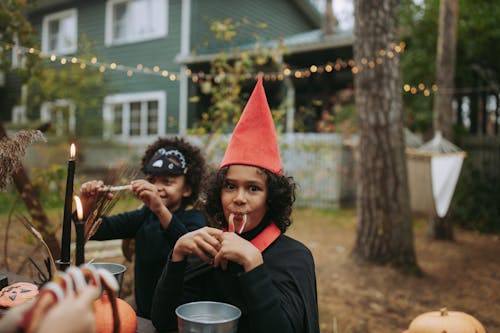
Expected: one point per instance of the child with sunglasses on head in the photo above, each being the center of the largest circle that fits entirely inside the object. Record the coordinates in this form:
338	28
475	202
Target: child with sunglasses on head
247	260
175	170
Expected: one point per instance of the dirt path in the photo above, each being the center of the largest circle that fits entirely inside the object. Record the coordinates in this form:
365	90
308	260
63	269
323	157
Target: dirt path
463	276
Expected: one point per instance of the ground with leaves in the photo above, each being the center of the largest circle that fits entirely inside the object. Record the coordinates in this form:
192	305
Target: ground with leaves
463	275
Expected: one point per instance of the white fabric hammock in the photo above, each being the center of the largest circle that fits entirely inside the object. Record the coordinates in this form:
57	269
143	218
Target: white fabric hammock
433	171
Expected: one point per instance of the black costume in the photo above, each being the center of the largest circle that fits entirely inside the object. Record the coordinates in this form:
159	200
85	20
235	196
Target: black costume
152	244
277	296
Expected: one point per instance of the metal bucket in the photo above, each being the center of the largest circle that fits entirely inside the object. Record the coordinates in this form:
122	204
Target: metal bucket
116	269
207	317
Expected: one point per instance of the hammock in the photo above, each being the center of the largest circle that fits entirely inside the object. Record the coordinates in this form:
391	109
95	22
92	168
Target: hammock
433	171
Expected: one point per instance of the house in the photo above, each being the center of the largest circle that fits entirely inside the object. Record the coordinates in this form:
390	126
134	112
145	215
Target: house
150	51
147	49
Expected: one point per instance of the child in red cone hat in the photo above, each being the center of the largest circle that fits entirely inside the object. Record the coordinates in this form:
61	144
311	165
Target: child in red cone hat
245	260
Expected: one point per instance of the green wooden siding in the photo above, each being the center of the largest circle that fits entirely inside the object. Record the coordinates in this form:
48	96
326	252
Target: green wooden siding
283	18
156	52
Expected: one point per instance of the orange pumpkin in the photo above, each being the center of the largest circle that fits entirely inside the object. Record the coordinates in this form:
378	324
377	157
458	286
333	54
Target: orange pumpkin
17	293
104	321
445	321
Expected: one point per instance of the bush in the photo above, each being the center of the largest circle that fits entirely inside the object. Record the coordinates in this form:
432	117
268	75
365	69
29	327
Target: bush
50	184
475	204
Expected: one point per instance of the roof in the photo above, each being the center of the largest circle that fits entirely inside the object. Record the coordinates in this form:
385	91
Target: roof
309	10
313	40
317	40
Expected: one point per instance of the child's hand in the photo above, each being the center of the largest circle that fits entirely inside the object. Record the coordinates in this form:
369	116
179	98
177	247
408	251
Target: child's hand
73	314
148	193
239	250
89	193
203	243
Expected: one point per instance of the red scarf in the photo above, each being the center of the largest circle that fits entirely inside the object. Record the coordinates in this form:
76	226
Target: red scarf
266	237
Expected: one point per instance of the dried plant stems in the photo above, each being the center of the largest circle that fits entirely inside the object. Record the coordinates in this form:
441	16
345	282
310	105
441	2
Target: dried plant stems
12	149
28	225
102	208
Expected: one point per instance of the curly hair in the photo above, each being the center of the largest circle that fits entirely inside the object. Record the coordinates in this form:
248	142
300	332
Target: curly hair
196	164
280	198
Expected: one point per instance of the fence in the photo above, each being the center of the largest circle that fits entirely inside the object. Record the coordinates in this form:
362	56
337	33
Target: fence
320	163
483	154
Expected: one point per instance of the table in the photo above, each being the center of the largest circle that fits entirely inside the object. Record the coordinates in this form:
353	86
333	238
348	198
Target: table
13	278
143	325
146	326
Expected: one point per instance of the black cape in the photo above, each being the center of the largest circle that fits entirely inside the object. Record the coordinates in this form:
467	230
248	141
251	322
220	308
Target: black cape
277	296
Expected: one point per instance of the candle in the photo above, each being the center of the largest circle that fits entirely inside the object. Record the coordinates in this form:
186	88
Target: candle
80	233
66	229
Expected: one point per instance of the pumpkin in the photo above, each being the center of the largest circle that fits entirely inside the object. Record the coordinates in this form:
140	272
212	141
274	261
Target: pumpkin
445	321
104	319
17	293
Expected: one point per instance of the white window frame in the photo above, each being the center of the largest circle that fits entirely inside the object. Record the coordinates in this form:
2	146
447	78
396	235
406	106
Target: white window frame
19	114
45	31
126	100
18	57
46	115
159	23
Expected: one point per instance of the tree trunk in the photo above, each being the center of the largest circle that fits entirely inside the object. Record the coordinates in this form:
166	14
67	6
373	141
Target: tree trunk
442	228
445	68
384	225
32	202
329	20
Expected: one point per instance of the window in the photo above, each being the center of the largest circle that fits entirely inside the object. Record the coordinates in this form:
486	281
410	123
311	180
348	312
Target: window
152	117
60	32
117	115
18	56
19	114
129	21
61	115
135	116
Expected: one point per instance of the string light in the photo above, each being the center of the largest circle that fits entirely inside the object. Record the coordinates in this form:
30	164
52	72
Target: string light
338	65
300	73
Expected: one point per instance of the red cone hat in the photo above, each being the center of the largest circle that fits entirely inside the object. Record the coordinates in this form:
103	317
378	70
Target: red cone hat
254	140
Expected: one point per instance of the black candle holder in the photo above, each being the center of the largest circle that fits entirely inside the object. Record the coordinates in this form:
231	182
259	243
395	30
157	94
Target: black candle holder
80	242
68	201
62	265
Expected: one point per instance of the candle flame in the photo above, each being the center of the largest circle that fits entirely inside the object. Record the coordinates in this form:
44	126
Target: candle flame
79	208
72	151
